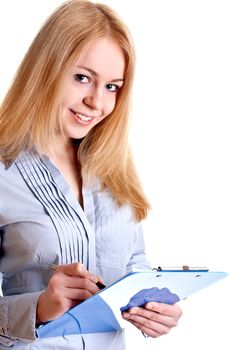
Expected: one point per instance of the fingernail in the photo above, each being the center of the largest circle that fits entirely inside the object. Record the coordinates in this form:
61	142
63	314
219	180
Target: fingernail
133	311
126	315
81	267
153	306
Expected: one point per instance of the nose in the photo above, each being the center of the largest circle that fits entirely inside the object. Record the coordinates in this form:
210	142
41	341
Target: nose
94	99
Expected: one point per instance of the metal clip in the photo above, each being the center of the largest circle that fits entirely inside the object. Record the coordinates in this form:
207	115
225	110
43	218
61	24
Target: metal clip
181	268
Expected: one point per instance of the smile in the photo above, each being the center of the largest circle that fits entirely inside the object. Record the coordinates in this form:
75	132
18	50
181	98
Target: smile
82	118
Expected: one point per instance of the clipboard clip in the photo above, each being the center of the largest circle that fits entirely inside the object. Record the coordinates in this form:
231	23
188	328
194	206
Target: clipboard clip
181	269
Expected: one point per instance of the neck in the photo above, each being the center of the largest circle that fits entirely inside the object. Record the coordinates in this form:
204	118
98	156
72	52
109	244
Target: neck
63	150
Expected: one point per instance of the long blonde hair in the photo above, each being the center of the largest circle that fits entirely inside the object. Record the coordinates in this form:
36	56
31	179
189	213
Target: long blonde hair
30	110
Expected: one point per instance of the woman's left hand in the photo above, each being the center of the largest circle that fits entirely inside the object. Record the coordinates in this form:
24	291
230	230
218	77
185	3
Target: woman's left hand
154	319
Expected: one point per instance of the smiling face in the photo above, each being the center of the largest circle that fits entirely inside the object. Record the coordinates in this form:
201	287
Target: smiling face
91	90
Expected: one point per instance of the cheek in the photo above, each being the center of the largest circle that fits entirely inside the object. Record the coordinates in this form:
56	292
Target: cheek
66	100
70	96
110	105
108	108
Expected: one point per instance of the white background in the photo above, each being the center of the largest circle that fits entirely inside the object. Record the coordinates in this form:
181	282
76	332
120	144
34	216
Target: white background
182	142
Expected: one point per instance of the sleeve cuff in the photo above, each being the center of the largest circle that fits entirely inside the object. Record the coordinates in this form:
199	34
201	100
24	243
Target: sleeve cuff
18	320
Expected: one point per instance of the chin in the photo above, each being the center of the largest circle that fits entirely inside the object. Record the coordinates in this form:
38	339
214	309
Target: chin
78	135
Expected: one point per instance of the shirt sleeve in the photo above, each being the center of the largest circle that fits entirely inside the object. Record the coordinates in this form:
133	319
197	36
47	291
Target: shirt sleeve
18	318
138	259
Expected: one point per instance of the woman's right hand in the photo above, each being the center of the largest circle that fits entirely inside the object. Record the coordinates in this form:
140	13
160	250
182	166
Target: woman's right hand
69	285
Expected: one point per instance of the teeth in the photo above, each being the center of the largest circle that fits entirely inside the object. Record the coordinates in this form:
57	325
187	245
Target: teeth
83	117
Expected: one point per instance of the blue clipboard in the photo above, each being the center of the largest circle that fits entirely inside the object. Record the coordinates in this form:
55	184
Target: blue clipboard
101	313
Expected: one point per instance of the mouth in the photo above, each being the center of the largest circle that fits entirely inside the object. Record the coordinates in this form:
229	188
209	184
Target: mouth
82	118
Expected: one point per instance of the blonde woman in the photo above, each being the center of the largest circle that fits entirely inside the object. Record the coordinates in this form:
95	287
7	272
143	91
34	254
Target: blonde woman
70	195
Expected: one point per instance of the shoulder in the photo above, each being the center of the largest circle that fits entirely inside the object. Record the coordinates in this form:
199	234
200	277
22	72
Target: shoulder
2	164
14	192
6	170
3	170
10	179
5	186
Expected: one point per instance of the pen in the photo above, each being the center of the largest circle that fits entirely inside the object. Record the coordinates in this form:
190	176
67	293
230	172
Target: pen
99	284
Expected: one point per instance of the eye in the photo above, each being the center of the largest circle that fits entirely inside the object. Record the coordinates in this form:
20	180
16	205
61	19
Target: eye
81	78
112	87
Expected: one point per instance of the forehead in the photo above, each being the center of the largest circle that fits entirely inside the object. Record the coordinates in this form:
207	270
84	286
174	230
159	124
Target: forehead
105	57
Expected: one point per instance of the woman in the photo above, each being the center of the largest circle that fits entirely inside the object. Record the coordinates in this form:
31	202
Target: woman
70	196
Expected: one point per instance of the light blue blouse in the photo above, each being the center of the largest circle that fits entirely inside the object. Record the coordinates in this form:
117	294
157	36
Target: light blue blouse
42	223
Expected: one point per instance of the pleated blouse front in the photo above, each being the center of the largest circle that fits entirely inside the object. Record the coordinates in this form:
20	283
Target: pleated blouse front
74	233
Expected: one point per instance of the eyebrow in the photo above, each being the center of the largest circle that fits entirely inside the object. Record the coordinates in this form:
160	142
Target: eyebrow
96	74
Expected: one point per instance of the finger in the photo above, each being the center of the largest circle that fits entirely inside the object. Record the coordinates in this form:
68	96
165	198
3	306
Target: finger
75	269
141	315
142	321
165	309
78	270
154	333
60	280
78	294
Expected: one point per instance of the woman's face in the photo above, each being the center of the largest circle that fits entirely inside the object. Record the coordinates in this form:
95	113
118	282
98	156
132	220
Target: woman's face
91	90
